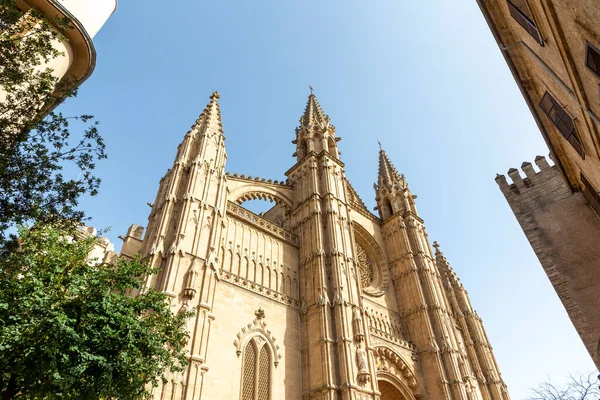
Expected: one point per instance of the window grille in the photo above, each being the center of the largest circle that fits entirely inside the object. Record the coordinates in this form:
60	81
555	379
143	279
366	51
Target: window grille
264	375
256	371
521	13
562	121
249	373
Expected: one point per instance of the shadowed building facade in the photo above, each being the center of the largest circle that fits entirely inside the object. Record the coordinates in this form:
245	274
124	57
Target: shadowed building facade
553	50
317	298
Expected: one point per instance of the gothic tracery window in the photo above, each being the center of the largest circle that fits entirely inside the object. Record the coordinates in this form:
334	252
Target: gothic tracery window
365	268
256	371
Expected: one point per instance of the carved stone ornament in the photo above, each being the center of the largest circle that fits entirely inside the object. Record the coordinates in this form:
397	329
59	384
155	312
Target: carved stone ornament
258	328
361	363
357	325
387	361
370	265
364	266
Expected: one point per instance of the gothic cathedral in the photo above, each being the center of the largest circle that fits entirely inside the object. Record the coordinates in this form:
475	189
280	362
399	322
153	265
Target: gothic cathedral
317	298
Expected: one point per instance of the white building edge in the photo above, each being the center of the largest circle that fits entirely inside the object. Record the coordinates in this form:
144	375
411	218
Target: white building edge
87	17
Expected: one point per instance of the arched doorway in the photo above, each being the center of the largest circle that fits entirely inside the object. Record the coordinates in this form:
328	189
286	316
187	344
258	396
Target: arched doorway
389	391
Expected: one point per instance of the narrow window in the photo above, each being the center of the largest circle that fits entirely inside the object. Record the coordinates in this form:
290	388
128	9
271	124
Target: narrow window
264	375
249	373
256	371
592	59
520	11
562	121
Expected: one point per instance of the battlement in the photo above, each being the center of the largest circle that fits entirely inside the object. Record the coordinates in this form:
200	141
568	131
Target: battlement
562	229
538	188
531	175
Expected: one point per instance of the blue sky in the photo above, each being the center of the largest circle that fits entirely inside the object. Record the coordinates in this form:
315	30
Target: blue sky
425	78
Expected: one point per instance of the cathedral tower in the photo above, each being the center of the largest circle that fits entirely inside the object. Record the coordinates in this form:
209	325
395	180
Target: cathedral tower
316	298
329	283
183	237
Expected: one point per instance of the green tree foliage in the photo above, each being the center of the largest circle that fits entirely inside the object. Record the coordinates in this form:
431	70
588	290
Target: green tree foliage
69	329
36	146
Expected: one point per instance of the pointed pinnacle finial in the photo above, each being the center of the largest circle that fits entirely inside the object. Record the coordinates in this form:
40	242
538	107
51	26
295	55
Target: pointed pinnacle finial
380	149
311	89
215	95
436	245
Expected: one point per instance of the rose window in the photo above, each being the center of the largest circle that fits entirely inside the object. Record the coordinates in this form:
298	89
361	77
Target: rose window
365	267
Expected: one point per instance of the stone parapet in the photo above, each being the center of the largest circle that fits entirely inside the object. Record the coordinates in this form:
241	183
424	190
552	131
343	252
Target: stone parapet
563	231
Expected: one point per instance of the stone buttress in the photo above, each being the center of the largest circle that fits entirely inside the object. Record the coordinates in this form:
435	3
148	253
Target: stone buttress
316	298
183	235
424	302
336	361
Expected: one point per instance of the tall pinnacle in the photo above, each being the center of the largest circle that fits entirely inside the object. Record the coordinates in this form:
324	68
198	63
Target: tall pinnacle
313	114
388	175
444	267
208	124
211	116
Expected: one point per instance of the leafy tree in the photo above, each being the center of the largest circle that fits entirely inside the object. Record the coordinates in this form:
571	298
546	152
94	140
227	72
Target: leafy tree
69	330
36	146
578	387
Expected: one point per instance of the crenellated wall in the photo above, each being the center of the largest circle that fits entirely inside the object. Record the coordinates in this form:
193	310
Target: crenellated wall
563	230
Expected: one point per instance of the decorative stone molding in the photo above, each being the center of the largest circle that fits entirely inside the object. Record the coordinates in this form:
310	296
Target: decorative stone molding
387	361
376	262
260	289
258	329
243	189
261	223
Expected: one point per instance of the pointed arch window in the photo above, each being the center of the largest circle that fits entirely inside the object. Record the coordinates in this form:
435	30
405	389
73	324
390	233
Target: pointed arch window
256	371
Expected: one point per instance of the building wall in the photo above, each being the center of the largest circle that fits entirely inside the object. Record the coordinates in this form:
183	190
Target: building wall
549	203
78	54
283	322
92	14
559	67
563	230
309	282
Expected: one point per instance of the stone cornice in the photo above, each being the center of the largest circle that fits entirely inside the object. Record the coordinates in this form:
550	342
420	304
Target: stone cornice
246	216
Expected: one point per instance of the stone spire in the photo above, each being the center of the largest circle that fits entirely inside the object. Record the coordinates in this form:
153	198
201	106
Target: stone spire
446	270
315	133
313	114
391	191
388	174
211	115
207	125
191	200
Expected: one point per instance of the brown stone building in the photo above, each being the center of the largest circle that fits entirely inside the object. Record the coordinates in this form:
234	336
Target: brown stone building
552	48
317	298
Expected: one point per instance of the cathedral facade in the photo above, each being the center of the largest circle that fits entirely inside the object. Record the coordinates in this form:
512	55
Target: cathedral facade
317	298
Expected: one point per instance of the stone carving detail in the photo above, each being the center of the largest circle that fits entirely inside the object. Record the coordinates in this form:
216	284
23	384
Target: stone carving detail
388	361
365	267
370	263
357	325
361	362
255	220
257	331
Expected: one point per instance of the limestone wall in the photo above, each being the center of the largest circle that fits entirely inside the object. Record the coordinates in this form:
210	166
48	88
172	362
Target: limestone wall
260	256
235	309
